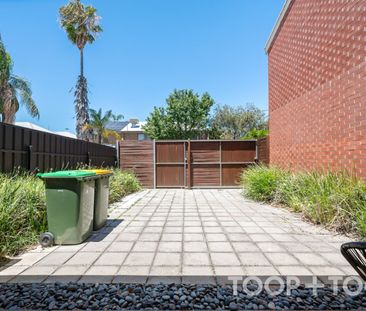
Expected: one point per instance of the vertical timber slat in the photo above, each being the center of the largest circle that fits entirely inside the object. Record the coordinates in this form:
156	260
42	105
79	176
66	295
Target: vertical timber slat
189	178
40	151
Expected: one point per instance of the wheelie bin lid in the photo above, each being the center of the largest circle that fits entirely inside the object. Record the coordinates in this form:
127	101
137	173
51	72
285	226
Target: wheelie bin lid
99	172
77	174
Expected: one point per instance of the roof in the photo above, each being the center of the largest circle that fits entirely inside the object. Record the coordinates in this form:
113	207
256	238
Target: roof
134	127
32	126
278	24
66	134
116	125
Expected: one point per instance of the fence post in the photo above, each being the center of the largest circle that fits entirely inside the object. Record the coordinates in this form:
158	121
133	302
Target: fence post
220	163
30	157
154	162
88	158
117	154
189	165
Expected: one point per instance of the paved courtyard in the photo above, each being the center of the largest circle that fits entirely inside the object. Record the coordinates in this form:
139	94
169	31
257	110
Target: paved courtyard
199	236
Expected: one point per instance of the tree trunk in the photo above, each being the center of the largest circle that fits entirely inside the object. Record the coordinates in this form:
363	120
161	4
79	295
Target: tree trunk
82	62
82	103
8	114
8	118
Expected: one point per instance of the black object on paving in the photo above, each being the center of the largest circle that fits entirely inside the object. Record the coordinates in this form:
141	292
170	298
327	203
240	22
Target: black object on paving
355	254
71	296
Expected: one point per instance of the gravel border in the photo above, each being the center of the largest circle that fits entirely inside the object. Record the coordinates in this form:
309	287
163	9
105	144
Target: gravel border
69	296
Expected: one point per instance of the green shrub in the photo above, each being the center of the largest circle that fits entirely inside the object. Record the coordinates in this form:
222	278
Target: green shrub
256	134
22	212
121	184
336	200
260	182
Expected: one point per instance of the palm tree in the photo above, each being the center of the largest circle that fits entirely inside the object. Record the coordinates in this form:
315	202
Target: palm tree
14	90
99	122
81	24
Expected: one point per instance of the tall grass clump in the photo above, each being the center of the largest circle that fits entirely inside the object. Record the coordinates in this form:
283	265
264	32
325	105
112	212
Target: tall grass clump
261	182
333	199
121	184
22	212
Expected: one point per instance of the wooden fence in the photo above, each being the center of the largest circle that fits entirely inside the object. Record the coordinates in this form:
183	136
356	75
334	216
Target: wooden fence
263	150
138	157
190	163
40	151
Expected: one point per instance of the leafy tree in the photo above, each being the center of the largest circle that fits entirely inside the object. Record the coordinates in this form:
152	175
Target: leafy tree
155	126
235	122
81	24
98	123
186	116
14	90
256	134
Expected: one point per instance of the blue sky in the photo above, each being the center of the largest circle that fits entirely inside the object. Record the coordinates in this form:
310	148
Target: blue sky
148	48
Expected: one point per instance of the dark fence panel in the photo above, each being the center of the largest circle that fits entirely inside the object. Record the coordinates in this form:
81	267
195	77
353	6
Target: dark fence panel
138	157
263	150
40	151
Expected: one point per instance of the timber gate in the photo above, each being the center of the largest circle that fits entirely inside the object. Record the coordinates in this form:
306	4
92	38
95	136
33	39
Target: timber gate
188	163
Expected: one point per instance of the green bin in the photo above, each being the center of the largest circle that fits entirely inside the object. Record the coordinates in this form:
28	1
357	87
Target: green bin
101	197
70	206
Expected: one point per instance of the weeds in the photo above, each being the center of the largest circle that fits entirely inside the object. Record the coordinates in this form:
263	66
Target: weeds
335	200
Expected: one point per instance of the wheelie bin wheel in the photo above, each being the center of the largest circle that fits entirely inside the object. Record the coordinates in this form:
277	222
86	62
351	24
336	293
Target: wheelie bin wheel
46	239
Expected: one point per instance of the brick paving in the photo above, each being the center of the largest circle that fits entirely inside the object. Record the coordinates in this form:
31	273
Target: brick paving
195	236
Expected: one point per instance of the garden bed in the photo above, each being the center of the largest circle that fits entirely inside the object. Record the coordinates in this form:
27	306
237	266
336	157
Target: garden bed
333	199
23	207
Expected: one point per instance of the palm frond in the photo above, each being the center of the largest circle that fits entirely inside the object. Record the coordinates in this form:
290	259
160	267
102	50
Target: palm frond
20	84
107	133
117	117
87	127
5	63
22	87
13	90
93	113
98	123
80	22
107	116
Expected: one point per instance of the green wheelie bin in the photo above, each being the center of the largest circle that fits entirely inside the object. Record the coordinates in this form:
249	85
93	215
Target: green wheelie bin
101	197
70	206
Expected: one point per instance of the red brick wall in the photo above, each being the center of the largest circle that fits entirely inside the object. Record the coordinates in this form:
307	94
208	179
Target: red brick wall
317	87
